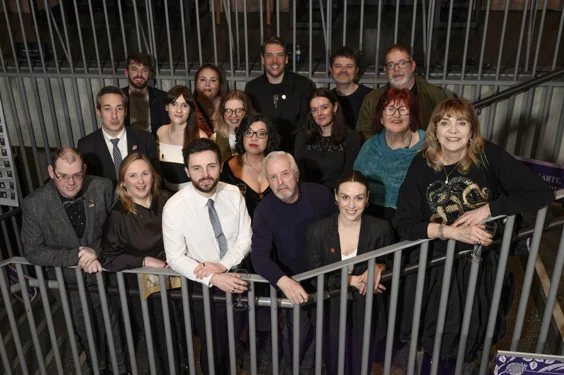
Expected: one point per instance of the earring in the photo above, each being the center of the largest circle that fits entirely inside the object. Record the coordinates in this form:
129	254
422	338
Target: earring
470	142
336	203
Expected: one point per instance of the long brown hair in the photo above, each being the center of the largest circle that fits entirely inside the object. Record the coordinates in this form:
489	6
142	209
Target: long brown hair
311	130
191	131
458	108
121	192
221	127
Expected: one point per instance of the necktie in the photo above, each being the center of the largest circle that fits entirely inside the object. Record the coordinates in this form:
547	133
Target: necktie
117	155
218	232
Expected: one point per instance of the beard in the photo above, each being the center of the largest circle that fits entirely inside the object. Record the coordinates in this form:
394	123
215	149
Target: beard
198	186
138	86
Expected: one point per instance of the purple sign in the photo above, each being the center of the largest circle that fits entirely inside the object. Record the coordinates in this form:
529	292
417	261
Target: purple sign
513	363
552	174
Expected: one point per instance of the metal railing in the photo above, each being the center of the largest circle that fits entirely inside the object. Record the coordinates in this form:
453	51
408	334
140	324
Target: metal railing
274	301
47	89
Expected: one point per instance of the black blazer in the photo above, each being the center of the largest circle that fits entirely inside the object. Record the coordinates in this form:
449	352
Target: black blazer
97	156
159	116
324	246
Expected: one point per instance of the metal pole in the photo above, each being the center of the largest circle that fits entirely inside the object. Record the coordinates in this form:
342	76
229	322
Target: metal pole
417	307
274	328
188	324
497	293
107	325
169	37
87	321
252	328
147	329
392	312
68	320
296	340
319	326
208	323
213	34
127	322
343	320
365	365
230	332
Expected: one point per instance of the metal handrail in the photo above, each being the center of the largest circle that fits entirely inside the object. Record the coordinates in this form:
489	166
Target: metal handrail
517	89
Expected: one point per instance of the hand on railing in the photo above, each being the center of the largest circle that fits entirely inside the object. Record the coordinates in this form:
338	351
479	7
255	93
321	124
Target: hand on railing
229	282
88	260
477	216
360	282
154	262
207	268
292	290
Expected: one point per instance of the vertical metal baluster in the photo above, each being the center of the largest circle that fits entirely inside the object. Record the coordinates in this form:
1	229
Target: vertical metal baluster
209	330
319	324
12	320
413	25
87	321
430	27
396	22
247	68
188	324
296	340
365	365
261	21
127	322
68	320
465	53
48	319
531	33
310	47
147	329
122	26
392	312
227	9
278	17
169	37
274	328
361	24
508	232
423	252
107	22
198	31
136	14
107	324
449	27
252	328
184	41
167	326
377	53
22	29
238	57
443	306
213	33
230	332
343	320
4	356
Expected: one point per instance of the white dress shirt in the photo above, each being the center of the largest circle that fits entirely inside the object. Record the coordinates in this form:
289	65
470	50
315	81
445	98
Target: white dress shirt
122	144
188	235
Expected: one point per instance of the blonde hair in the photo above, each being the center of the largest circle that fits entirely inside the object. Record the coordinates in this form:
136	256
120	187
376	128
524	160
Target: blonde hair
458	108
221	127
121	192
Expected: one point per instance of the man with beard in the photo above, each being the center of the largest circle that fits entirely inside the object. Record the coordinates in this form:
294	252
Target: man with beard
399	67
62	227
344	69
279	94
281	222
105	148
146	109
207	232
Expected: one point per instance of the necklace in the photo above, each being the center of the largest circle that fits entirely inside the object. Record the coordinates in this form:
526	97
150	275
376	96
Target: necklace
448	174
170	135
259	176
409	139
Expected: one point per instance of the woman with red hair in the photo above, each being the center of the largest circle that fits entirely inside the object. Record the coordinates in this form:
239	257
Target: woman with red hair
385	157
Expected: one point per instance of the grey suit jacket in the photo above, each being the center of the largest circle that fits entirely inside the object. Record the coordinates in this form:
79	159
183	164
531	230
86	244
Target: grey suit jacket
47	234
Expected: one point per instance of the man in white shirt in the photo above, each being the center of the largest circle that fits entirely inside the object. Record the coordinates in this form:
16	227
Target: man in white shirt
207	232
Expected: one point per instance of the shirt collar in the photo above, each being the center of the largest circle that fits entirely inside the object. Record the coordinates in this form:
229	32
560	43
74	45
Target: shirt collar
107	137
193	196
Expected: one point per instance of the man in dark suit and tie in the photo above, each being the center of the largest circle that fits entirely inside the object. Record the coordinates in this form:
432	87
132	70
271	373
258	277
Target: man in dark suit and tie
62	227
104	149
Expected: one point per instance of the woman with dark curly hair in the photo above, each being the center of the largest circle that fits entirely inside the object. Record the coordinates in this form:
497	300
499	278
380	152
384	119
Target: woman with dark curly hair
325	146
255	138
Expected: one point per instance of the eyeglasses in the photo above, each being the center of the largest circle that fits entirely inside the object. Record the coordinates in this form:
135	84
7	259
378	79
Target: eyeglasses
261	134
390	111
66	178
402	64
229	112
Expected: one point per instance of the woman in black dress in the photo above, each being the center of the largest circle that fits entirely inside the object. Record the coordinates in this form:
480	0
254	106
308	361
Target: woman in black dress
256	137
132	238
325	146
343	236
456	182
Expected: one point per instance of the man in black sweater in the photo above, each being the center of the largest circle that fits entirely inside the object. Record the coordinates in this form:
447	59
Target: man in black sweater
281	95
281	221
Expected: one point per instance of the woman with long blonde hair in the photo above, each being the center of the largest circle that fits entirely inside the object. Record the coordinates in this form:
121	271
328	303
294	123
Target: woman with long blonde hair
452	186
132	238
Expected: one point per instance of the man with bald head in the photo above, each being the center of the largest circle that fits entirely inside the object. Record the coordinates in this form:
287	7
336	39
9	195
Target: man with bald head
62	227
280	225
399	68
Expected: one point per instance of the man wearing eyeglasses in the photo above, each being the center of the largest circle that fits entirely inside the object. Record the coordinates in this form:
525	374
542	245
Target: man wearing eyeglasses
399	68
62	227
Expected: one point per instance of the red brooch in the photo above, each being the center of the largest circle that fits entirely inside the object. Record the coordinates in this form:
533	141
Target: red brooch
332	250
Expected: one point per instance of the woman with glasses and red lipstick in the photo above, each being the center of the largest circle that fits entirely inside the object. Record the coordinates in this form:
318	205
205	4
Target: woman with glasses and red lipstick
234	106
385	157
256	137
325	146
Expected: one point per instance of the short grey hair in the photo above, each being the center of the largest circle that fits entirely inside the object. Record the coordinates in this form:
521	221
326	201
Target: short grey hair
278	154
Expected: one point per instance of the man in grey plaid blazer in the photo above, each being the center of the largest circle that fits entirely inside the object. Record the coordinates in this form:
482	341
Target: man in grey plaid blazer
62	227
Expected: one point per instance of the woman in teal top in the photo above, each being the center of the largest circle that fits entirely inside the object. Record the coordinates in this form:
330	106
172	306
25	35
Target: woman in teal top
385	157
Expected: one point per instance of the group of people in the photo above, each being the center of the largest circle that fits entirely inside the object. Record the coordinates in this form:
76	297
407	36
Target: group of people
280	179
